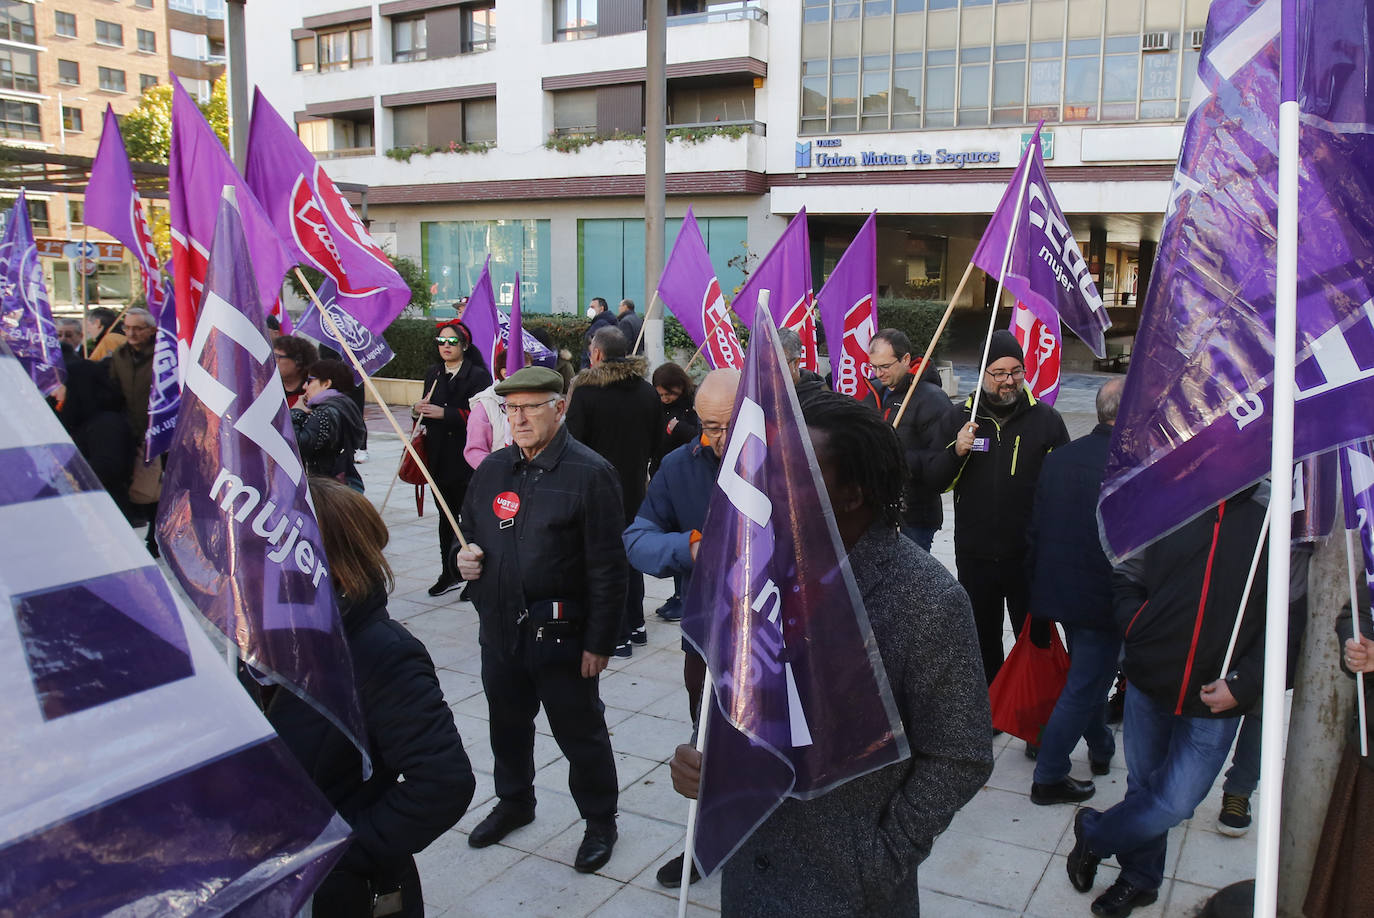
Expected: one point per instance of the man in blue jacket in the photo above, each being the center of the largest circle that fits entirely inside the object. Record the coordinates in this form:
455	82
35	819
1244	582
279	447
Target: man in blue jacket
1071	582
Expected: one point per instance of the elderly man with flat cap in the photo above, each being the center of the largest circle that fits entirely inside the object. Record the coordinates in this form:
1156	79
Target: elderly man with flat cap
547	571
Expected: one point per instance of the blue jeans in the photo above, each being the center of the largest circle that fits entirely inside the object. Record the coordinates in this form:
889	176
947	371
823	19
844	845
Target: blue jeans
1171	762
1082	707
921	535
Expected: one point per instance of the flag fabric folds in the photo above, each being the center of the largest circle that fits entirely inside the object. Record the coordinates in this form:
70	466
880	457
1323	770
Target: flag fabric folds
848	311
482	319
235	522
114	205
1314	497
801	700
371	349
515	356
786	273
689	287
25	315
199	169
1047	271
1043	348
318	224
132	754
1357	492
1196	416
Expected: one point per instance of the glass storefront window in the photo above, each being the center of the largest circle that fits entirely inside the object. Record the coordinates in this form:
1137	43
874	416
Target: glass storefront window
453	253
610	255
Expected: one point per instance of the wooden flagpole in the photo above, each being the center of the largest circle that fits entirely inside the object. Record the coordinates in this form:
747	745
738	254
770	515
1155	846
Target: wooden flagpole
939	330
397	474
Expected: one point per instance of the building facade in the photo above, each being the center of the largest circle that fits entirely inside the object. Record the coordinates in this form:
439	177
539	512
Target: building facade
511	129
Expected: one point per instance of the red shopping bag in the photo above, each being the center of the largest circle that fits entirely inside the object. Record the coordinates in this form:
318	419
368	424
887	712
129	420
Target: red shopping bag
1027	686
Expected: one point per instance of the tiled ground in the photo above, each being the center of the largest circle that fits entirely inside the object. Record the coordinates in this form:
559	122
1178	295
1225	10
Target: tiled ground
1001	856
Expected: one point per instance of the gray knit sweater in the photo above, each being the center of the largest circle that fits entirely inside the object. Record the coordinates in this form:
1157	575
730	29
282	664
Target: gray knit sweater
854	851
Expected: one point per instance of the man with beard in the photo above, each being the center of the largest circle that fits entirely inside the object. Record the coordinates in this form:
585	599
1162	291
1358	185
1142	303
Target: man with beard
993	463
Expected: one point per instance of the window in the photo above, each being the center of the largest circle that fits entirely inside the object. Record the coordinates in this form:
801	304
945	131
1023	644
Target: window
192	46
147	40
1158	84
210	9
76	210
144	4
973	86
408	38
305	54
574	112
68	72
813	96
697	105
71	121
906	90
574	19
844	94
112	80
16	21
18	70
453	254
109	33
197	89
146	81
874	88
479	28
1046	69
610	254
441	123
1082	76
65	24
19	120
1119	72
1009	84
344	49
479	121
940	89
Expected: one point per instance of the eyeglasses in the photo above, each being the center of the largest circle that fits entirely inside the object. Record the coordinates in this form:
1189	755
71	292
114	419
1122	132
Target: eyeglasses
1004	375
714	431
883	367
448	342
508	409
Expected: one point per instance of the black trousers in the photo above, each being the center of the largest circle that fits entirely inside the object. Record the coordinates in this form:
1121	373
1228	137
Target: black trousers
515	687
634	605
994	584
453	492
349	895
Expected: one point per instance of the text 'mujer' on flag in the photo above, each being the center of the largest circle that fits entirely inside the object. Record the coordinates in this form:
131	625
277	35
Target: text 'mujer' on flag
801	700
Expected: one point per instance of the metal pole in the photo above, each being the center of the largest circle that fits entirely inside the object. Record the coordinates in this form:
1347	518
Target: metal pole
236	50
655	181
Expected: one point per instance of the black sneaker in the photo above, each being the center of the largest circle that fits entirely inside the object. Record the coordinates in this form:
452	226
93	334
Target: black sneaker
669	876
1121	898
639	636
671	611
446	583
1234	818
624	650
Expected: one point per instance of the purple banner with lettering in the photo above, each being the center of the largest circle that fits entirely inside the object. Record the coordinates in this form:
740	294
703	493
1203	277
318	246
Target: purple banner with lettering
132	754
1047	270
848	313
1357	491
690	289
1196	415
785	272
235	522
372	350
801	701
25	316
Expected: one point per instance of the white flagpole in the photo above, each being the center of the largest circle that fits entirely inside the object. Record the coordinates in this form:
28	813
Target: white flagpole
1274	733
1245	595
689	843
1355	622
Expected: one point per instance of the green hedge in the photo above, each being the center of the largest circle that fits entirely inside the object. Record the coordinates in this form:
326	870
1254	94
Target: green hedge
413	342
918	318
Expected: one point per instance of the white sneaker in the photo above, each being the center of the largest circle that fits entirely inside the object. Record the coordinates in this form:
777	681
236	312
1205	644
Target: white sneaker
359	456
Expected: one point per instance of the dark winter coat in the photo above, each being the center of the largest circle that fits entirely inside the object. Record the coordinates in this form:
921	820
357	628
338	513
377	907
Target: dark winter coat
1176	605
994	488
599	321
658	542
617	413
445	437
564	543
328	434
1070	576
629	324
93	415
923	437
410	735
133	371
687	428
855	851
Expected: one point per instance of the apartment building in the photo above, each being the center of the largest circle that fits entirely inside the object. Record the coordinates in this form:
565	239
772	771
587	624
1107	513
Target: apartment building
510	128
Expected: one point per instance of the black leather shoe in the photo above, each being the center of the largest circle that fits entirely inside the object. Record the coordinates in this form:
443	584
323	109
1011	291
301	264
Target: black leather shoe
1069	790
1082	864
500	822
670	874
596	847
1121	897
1100	767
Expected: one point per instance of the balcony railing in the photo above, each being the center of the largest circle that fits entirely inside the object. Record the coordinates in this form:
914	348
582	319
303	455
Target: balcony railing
345	152
749	9
704	129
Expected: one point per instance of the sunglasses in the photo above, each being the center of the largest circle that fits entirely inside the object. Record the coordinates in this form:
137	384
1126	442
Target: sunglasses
448	342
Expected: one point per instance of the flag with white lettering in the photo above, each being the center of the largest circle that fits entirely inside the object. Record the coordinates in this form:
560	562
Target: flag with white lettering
235	522
25	315
690	289
801	700
372	350
1196	417
139	776
1040	343
114	205
1357	493
785	272
848	311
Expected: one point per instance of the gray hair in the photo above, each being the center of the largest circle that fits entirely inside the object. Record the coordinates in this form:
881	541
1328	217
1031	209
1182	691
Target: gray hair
791	344
611	343
138	312
69	322
1109	400
629	303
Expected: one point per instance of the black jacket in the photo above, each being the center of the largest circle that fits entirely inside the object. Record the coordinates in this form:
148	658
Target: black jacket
93	414
564	543
686	430
615	411
410	733
1070	576
995	488
445	437
328	434
922	435
630	324
602	319
1176	605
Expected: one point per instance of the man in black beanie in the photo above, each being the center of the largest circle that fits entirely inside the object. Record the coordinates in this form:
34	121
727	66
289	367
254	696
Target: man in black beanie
993	462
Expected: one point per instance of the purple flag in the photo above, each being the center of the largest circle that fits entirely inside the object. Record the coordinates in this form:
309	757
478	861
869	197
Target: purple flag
801	700
785	273
317	223
1357	491
847	309
114	205
140	777
372	350
199	170
1314	497
1196	416
235	521
690	289
1047	270
482	318
515	356
25	316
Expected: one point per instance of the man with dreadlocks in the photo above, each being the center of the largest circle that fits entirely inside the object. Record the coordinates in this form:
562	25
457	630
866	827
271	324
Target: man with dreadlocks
855	850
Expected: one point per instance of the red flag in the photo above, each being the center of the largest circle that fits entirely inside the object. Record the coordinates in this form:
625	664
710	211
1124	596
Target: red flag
1043	349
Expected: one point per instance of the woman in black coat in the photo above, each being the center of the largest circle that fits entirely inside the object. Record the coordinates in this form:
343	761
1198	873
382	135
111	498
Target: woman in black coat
449	386
328	423
421	781
678	394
